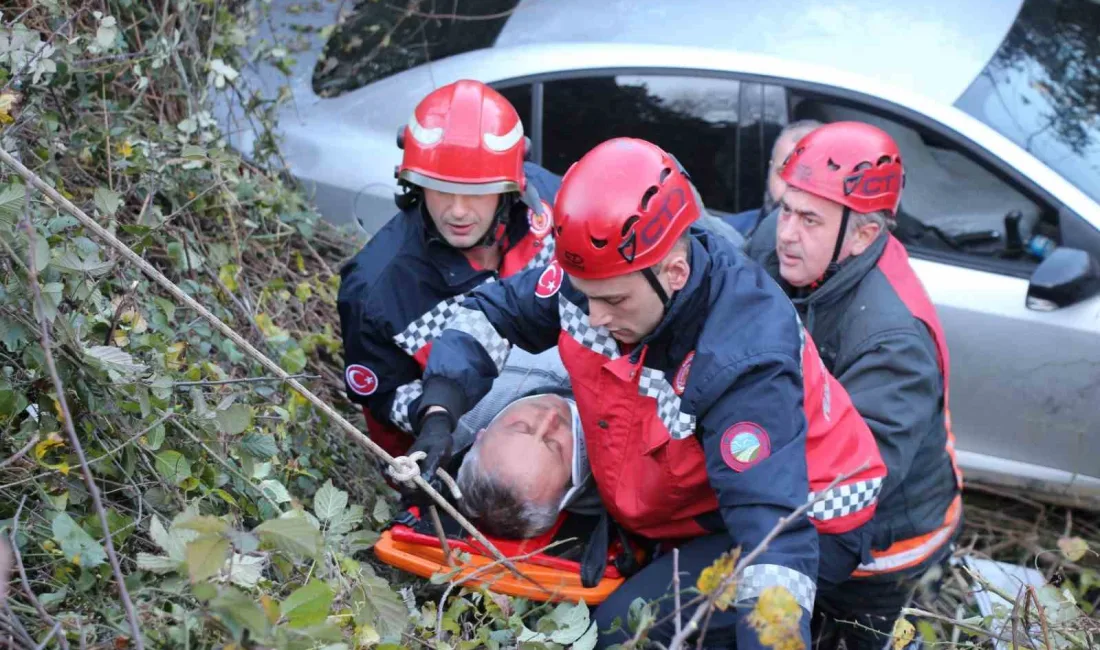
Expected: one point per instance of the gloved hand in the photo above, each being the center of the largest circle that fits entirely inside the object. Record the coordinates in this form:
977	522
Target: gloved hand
437	443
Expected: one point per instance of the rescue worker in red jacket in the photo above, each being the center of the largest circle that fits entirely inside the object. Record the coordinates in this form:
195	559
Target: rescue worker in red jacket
707	413
830	248
470	214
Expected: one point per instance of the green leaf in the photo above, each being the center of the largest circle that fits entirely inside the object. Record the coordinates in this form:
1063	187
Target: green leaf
375	603
157	563
12	199
571	621
107	201
234	420
292	534
206	556
347	520
246	570
238	608
41	253
381	512
118	364
173	466
12	402
303	292
70	262
293	361
78	546
260	446
12	334
204	525
193	152
275	491
308	605
329	502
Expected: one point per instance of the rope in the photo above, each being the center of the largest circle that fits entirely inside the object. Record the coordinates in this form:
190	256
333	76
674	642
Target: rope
169	286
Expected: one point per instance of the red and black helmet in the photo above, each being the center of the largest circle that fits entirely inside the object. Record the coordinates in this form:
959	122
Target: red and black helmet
620	209
464	138
854	164
851	163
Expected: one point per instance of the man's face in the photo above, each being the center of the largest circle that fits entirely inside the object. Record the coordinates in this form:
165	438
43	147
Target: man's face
783	147
530	445
626	305
462	219
805	236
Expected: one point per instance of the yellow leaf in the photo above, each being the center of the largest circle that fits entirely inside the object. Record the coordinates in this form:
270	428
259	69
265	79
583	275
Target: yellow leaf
300	262
228	275
124	148
51	441
1074	548
904	632
776	618
271	608
303	291
8	104
366	636
121	340
711	579
76	559
172	355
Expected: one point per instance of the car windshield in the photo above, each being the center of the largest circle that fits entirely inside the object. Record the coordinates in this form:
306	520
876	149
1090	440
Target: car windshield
1042	88
379	39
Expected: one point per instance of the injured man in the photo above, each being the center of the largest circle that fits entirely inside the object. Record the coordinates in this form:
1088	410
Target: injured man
525	461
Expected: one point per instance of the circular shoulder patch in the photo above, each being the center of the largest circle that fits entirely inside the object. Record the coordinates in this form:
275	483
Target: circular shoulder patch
540	223
679	382
550	280
361	379
744	445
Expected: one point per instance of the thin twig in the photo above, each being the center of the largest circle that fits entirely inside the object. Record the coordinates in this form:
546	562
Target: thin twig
920	613
746	561
441	535
676	589
246	380
46	641
74	440
46	618
358	436
22	452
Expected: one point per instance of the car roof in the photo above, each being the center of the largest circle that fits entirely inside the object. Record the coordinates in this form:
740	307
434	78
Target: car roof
935	47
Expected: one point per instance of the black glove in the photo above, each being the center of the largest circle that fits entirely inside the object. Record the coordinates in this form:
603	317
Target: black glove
436	441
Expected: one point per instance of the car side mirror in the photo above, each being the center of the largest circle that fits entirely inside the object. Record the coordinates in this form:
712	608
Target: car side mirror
1067	276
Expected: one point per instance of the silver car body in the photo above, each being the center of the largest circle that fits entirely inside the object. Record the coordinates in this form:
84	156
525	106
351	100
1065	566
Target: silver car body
1025	383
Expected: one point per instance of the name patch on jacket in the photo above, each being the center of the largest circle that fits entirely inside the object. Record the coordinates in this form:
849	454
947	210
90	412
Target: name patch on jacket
745	444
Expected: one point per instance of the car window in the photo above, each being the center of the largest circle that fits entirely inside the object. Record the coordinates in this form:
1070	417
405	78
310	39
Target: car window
1041	89
951	205
379	39
695	119
520	98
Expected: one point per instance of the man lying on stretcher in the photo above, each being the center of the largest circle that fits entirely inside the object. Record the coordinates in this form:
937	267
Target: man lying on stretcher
522	468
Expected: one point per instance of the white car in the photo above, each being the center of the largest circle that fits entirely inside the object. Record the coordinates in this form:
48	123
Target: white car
994	106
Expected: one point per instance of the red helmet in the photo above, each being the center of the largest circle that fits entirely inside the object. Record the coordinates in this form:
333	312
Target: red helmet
851	163
464	138
620	209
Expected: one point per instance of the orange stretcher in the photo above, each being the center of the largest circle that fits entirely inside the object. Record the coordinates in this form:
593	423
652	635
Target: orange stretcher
412	545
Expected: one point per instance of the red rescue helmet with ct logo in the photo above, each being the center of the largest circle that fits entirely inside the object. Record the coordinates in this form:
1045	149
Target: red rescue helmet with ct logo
464	138
620	208
851	163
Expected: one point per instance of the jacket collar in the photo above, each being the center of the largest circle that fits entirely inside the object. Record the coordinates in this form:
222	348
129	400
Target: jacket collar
453	266
851	273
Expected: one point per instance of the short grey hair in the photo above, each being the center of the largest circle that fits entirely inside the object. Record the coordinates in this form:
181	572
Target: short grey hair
800	128
496	506
883	218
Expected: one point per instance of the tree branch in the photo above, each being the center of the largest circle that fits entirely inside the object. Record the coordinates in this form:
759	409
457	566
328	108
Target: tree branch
62	401
46	618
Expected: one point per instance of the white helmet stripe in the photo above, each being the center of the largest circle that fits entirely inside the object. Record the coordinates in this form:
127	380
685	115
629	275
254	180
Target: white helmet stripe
424	135
501	143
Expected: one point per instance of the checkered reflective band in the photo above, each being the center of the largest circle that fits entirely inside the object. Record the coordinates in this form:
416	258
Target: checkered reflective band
843	500
759	577
653	383
421	331
476	324
543	257
575	323
403	397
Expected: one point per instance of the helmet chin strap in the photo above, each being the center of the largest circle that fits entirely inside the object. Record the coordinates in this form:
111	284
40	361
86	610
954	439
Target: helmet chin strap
651	277
834	265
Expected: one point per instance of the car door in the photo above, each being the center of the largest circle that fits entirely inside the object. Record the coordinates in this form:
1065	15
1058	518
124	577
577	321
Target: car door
1025	379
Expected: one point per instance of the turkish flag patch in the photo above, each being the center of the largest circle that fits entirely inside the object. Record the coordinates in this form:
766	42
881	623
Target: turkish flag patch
680	380
745	444
550	280
361	379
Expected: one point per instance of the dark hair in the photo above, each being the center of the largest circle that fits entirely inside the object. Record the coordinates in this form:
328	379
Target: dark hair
496	507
